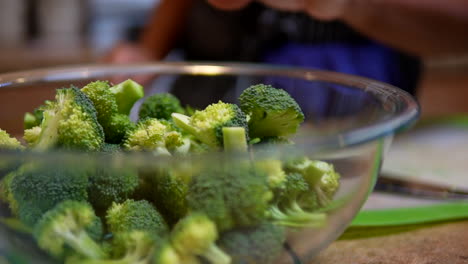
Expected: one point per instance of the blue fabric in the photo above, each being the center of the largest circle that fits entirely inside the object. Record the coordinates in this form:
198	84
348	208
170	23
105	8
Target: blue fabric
366	59
323	99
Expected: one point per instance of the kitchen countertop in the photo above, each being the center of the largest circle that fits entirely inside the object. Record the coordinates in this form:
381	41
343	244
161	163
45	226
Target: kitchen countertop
444	243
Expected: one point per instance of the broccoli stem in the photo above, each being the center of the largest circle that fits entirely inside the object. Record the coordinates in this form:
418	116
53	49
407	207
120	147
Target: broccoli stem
296	217
83	244
216	256
126	94
183	122
48	135
234	139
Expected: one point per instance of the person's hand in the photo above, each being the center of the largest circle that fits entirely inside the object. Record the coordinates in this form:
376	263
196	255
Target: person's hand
126	53
320	9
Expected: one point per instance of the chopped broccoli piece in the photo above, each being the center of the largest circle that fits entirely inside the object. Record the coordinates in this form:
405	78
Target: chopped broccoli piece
230	196
153	135
70	224
32	135
135	215
207	125
321	177
196	235
37	188
33	119
7	142
70	122
170	190
273	112
117	127
287	210
234	139
126	94
132	247
109	184
274	169
252	245
160	106
115	124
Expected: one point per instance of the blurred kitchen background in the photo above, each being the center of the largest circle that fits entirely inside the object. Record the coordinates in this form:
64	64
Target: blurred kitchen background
44	33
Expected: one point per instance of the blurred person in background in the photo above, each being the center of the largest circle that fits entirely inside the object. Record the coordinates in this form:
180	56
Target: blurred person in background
382	40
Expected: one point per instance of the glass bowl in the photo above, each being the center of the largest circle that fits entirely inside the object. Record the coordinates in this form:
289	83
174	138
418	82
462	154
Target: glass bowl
349	123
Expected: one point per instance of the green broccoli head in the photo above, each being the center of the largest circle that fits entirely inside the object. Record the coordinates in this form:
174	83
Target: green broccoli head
169	192
252	245
32	135
7	142
160	106
288	208
70	122
37	188
116	127
230	195
153	135
274	169
135	215
207	125
103	99
134	246
273	112
115	124
71	224
33	119
196	235
321	177
111	184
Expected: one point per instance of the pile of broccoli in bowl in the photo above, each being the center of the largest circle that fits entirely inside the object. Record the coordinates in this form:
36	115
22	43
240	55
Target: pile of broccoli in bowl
236	210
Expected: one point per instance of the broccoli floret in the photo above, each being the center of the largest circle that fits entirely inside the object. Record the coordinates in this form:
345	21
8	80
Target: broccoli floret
274	169
109	184
287	210
132	247
5	191
33	119
153	135
126	94
196	235
32	135
70	122
160	106
272	112
135	215
321	177
115	124
230	196
253	245
37	188
7	142
170	190
207	125
70	224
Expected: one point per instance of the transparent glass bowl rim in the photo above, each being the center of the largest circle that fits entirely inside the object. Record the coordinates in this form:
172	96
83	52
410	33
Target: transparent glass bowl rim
405	109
